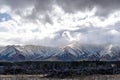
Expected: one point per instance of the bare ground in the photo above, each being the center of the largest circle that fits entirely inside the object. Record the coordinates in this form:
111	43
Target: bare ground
40	77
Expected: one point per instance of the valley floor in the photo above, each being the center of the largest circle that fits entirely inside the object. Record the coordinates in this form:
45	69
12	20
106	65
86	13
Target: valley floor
79	70
40	77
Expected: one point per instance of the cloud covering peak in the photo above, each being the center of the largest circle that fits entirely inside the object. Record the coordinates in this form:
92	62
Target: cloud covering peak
59	22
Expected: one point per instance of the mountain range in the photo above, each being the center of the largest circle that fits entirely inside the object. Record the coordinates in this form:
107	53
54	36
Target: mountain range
72	52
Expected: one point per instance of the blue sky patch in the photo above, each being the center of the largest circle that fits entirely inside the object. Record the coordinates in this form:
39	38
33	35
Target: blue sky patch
4	17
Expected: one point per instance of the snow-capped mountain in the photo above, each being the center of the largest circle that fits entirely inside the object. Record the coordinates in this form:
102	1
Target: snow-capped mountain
12	54
72	52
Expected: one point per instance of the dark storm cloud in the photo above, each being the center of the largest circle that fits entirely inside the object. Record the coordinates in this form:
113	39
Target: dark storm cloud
104	7
17	4
39	7
75	5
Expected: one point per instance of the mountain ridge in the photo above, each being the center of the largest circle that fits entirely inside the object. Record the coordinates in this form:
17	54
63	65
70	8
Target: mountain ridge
72	52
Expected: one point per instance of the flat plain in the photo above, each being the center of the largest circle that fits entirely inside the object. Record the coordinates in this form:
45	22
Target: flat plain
40	77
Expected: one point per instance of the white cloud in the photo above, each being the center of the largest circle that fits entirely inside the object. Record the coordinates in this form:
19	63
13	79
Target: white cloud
4	9
57	27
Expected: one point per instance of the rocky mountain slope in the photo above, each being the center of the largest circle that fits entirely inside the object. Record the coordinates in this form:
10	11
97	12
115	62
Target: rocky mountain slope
72	52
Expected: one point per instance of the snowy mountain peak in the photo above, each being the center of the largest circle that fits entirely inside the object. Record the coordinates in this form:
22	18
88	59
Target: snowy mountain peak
11	53
72	52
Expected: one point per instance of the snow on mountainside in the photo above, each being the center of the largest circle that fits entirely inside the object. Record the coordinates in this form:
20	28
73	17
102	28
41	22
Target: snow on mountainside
72	52
39	52
12	54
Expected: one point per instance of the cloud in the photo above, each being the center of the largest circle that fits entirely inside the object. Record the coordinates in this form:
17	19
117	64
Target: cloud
104	7
59	22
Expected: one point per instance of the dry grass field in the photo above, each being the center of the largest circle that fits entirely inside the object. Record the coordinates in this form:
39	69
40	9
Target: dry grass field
40	77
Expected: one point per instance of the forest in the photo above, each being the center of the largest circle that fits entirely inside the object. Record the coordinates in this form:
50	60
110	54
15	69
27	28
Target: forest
59	68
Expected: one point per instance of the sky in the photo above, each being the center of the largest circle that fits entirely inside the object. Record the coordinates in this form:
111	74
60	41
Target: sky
59	22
